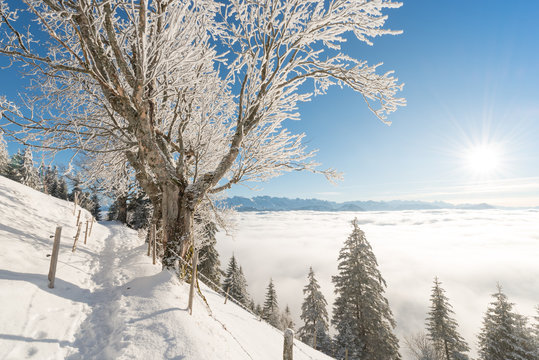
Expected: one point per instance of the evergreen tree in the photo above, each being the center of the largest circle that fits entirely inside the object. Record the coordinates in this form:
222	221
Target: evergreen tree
535	332
501	337
361	313
270	310
96	208
210	265
286	319
526	346
313	313
235	283
442	328
14	167
138	210
4	156
61	189
50	181
29	175
258	310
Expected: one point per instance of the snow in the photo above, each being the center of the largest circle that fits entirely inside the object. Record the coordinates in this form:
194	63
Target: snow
469	250
109	301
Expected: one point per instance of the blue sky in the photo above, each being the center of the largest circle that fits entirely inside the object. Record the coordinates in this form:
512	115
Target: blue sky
471	74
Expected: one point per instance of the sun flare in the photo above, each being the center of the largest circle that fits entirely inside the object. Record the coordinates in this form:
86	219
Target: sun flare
483	159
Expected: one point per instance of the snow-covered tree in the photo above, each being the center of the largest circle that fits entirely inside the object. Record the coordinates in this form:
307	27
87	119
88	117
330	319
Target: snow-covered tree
138	210
96	207
193	95
313	313
421	347
286	319
535	332
501	336
29	174
209	264
270	310
235	283
14	167
4	156
361	314
442	327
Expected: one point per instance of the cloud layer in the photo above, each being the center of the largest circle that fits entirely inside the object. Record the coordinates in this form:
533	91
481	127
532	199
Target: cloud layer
468	250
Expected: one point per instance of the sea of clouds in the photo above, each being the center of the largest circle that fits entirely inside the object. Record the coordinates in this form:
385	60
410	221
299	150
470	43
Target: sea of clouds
469	250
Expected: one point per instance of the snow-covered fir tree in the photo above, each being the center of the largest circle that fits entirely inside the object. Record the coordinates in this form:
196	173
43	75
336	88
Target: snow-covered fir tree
258	310
535	332
50	180
61	189
500	337
138	210
286	319
235	283
526	343
29	174
4	156
14	167
96	207
270	310
210	265
313	313
361	314
442	327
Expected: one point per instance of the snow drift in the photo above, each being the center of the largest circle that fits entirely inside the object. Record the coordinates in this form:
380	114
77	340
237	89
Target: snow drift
109	301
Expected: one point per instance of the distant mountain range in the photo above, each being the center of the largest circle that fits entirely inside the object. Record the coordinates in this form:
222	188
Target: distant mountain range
269	203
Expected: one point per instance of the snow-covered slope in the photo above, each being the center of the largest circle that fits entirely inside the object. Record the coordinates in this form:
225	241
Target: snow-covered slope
109	301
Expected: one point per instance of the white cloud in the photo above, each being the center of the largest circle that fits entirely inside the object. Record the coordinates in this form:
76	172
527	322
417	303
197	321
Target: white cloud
468	250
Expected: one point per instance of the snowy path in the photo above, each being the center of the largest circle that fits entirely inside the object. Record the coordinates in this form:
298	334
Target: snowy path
109	301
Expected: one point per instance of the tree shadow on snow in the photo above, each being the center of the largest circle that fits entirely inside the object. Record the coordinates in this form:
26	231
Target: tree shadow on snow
61	288
62	343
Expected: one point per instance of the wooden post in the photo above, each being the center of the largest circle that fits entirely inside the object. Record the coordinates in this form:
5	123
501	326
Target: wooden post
153	239
78	218
91	226
149	240
76	238
346	354
86	233
226	296
54	256
288	348
76	200
193	280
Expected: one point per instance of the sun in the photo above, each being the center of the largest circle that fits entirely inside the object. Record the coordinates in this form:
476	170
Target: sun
483	160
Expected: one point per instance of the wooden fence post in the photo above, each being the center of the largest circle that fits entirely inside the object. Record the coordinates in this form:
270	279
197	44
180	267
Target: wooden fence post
78	218
346	354
288	348
153	239
54	256
91	226
86	233
76	238
149	236
193	280
76	200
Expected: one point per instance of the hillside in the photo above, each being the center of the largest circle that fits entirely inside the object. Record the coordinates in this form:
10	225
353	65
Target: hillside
109	301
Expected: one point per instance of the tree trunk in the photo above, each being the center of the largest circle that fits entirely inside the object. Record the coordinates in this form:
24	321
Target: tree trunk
177	215
122	209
